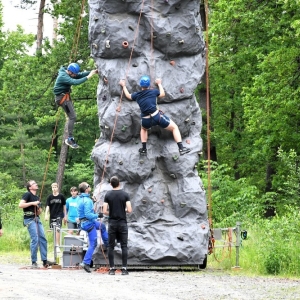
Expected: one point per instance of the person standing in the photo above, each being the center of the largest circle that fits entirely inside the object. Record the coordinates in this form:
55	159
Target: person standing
150	114
31	205
62	89
116	204
71	207
56	204
88	222
1	232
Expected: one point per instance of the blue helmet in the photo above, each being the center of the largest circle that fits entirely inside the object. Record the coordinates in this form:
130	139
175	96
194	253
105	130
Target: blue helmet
74	68
145	81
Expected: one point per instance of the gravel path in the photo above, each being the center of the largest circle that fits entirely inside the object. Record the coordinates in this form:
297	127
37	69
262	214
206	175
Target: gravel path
19	283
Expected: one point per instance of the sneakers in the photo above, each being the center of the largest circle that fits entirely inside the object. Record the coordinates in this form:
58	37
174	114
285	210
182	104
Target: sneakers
57	249
143	151
111	271
34	265
124	271
86	268
71	142
47	263
184	150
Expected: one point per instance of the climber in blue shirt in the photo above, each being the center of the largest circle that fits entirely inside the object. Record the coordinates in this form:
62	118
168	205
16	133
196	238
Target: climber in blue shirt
150	114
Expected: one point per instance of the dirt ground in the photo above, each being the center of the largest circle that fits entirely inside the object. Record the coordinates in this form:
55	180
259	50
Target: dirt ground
17	282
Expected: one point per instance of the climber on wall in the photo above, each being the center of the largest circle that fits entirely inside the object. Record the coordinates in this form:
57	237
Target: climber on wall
150	115
66	78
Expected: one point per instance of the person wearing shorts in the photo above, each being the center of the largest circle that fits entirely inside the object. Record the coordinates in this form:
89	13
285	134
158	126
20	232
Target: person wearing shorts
150	115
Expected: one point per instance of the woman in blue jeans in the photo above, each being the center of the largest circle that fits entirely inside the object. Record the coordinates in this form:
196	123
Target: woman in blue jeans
88	222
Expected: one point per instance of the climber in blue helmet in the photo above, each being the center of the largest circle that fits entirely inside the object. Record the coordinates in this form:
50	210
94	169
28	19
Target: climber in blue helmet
68	76
150	115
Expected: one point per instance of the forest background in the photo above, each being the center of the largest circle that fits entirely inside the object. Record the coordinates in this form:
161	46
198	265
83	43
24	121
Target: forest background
254	76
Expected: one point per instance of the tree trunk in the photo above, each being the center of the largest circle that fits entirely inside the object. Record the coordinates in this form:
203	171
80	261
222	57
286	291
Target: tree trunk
40	27
62	158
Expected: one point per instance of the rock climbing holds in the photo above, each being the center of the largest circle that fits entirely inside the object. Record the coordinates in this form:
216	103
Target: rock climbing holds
180	237
131	27
187	120
162	201
103	31
173	176
175	157
168	34
181	42
193	123
95	46
181	90
105	80
144	201
182	204
104	98
118	109
124	127
172	62
141	161
125	44
149	190
135	65
106	127
120	162
96	18
107	44
188	141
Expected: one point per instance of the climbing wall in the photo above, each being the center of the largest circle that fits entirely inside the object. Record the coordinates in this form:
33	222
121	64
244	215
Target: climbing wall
162	39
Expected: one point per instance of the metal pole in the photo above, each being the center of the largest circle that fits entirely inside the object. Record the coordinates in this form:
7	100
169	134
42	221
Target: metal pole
237	245
54	241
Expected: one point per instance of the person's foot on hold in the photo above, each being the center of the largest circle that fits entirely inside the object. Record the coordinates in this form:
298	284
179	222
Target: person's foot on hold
124	271
86	268
111	271
143	151
184	150
71	142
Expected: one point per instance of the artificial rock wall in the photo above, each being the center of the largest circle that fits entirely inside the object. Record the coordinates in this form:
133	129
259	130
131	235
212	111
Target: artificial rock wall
168	225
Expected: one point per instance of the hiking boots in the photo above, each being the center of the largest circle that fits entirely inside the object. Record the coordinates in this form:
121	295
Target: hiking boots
184	150
111	271
143	151
71	142
124	271
87	268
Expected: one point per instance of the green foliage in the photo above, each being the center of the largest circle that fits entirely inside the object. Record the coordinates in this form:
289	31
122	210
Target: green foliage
232	200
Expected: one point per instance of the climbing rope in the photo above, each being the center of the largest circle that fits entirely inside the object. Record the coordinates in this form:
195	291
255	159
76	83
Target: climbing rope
120	100
209	190
72	56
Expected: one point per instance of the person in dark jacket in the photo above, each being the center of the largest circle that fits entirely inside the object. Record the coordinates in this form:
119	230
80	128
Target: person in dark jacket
66	78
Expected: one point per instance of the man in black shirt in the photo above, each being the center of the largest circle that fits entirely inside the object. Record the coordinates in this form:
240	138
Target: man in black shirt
56	204
32	209
116	203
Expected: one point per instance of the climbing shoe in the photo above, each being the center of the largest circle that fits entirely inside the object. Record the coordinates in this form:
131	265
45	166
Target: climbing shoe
71	142
111	271
124	271
184	150
86	268
143	151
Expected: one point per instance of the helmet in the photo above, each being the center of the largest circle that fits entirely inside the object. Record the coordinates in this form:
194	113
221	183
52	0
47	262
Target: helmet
74	68
145	81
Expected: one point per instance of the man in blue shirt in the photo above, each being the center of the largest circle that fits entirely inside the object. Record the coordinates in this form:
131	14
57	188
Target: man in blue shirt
88	222
71	207
151	116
